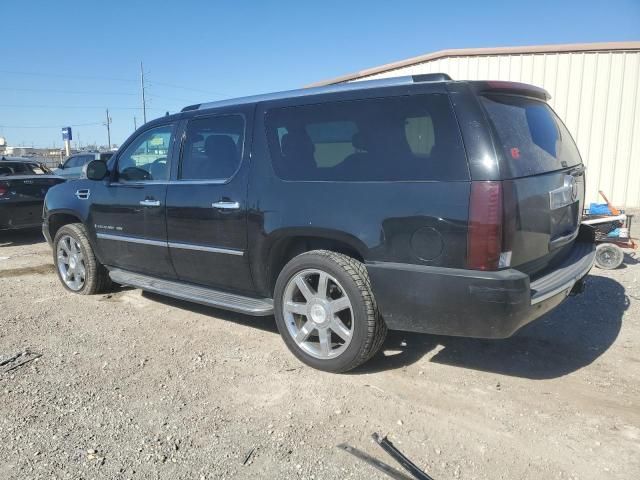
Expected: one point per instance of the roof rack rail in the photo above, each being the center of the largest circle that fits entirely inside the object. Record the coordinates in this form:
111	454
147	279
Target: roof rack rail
340	87
431	77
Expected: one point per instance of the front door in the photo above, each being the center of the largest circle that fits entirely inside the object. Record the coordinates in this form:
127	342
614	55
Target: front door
206	205
128	211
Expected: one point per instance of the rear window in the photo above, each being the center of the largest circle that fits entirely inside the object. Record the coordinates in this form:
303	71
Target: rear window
8	169
408	138
533	139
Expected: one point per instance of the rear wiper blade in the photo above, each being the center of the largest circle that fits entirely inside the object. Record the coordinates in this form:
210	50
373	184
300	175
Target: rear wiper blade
398	456
374	462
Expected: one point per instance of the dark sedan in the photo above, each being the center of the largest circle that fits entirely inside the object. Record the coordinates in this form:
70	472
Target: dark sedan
23	185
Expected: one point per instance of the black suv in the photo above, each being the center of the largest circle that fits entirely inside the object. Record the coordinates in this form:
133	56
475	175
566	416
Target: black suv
415	203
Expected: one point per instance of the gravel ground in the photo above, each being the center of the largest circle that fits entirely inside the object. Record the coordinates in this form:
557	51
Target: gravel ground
133	385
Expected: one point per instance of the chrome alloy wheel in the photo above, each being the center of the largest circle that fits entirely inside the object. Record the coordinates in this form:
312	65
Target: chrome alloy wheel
71	263
318	314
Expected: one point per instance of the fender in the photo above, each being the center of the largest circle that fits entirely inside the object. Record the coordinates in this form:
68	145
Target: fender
263	253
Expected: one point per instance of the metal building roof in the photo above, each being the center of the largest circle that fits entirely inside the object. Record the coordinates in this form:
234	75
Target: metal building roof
465	52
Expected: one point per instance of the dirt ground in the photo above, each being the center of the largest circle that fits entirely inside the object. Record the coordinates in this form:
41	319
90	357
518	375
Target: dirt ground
133	385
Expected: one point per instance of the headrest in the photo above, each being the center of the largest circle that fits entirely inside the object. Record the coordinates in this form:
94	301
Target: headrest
359	141
220	146
293	144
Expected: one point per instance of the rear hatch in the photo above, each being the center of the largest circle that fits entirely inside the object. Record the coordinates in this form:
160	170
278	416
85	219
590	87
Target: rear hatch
542	180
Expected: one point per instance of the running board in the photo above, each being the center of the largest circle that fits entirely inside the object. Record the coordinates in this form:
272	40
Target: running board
192	293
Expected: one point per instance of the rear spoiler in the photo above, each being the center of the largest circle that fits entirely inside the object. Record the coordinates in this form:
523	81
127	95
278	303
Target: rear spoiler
512	88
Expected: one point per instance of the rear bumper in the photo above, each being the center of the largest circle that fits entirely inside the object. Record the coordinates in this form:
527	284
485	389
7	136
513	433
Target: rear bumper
471	303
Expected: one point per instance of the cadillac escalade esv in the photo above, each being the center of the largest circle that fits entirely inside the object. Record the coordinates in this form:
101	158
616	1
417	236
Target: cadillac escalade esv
414	203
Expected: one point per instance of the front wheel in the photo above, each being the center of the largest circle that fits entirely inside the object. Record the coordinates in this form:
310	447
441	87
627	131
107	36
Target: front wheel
78	268
326	311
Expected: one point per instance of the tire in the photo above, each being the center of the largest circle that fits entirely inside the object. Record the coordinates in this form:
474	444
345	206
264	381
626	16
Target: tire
609	256
356	332
88	276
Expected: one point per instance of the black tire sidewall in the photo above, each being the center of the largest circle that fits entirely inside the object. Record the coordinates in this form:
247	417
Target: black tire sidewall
354	351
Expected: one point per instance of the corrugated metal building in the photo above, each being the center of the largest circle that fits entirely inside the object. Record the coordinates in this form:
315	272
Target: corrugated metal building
595	89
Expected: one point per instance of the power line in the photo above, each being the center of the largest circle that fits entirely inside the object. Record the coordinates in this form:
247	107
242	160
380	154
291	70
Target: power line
171	85
51	126
74	106
163	97
60	75
112	79
65	91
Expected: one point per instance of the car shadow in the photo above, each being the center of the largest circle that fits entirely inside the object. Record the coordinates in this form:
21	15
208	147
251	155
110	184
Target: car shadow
630	259
16	238
566	339
267	323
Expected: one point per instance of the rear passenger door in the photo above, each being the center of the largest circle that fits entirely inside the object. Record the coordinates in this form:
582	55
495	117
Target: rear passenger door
206	202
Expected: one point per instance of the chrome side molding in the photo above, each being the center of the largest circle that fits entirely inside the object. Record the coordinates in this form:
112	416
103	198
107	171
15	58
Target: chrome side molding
162	243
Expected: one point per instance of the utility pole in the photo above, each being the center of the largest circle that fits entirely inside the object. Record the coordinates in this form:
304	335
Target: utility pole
144	104
108	124
135	125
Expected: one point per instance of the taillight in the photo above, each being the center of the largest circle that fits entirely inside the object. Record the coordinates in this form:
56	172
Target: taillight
484	238
4	188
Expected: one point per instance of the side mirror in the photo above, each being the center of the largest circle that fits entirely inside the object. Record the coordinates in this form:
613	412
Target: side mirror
61	166
96	170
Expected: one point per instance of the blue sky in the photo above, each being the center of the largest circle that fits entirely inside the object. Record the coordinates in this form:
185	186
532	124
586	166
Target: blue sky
63	63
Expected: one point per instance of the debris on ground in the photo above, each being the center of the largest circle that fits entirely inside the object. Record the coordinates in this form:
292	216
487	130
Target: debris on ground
17	360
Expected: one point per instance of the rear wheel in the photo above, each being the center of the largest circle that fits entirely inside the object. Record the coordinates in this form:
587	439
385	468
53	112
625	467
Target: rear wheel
609	256
78	268
326	312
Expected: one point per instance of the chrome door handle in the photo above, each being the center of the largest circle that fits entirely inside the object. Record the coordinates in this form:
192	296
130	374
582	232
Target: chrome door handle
83	194
150	203
226	205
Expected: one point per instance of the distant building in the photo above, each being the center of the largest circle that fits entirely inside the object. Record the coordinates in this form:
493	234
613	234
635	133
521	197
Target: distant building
595	89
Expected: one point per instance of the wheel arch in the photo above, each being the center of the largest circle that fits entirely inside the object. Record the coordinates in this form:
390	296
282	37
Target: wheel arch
288	244
60	218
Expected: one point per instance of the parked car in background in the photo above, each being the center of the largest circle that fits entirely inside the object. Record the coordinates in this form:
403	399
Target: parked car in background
23	186
415	203
72	167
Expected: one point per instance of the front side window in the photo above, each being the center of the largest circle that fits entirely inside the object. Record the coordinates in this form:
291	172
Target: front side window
212	148
408	138
145	159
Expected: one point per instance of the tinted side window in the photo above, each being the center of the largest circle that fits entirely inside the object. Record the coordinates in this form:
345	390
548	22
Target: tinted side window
212	148
409	138
146	157
533	138
20	168
86	159
72	162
